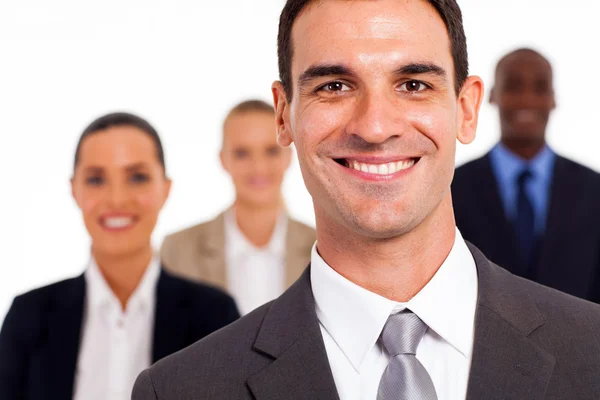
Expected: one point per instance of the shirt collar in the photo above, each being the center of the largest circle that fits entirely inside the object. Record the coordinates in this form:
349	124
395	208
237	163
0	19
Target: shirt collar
239	245
446	304
508	165
99	294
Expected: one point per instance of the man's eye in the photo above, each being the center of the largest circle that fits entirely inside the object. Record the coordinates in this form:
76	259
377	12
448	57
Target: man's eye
334	87
413	86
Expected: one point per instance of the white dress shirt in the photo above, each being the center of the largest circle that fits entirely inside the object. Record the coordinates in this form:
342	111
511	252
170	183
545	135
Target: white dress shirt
255	276
352	318
116	345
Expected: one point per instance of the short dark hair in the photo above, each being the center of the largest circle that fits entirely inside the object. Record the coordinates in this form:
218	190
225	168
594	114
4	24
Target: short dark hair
448	10
121	119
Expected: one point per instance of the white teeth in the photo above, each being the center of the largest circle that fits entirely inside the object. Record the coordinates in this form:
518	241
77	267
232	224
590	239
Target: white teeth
382	169
118	222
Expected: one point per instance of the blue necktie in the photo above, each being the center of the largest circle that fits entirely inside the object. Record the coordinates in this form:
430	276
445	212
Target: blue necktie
524	223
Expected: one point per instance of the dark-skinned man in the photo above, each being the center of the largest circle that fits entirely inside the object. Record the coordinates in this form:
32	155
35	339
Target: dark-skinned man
529	209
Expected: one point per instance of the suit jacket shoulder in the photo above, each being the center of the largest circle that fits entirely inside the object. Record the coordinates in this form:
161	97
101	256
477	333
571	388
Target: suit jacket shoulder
275	352
532	341
228	362
586	177
199	296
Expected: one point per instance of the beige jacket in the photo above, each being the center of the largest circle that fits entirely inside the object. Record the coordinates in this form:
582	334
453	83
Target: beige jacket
198	252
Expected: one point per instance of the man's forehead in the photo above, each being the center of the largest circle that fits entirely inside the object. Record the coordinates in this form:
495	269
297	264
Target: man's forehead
332	27
521	61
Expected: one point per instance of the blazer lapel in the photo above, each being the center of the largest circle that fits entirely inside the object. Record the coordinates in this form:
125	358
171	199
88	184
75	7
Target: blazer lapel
171	323
291	336
297	252
505	363
64	331
211	251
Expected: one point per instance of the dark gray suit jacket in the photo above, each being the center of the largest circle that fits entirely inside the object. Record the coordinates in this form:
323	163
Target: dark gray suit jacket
531	342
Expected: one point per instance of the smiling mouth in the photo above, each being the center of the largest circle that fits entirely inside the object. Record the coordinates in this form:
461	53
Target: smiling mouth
117	223
387	168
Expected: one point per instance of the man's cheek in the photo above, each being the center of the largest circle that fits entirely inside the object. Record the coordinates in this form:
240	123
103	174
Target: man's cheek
320	121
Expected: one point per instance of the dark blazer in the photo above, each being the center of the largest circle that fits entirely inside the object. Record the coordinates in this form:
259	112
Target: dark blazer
40	338
531	343
568	257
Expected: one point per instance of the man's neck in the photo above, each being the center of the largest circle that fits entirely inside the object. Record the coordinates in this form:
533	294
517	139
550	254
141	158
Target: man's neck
396	268
123	273
524	149
257	222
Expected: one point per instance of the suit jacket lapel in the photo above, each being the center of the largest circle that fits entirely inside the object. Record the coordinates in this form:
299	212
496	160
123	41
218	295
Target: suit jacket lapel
505	363
64	331
493	214
562	216
171	324
290	334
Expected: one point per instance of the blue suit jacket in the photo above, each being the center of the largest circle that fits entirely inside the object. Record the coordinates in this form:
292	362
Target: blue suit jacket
40	338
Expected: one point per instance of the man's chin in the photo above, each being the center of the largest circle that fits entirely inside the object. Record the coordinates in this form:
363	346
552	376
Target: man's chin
383	227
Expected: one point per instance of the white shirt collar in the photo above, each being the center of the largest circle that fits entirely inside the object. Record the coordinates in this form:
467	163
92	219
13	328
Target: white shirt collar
355	317
239	245
99	294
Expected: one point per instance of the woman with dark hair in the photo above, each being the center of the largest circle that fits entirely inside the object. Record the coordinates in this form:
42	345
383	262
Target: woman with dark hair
89	337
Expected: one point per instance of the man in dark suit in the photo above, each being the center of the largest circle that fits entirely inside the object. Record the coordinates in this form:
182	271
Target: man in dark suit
395	304
528	209
41	336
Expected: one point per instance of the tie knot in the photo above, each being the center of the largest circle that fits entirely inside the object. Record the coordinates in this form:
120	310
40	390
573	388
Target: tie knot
402	333
523	177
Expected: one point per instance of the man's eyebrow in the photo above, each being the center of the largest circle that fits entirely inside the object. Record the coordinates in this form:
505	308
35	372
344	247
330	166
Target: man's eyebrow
421	68
322	70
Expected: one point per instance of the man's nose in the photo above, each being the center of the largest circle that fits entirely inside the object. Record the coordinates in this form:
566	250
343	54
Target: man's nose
377	117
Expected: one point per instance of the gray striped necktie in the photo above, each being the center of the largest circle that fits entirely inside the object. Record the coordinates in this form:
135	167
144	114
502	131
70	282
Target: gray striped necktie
405	378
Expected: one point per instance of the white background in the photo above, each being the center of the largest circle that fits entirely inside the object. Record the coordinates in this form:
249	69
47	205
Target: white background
181	64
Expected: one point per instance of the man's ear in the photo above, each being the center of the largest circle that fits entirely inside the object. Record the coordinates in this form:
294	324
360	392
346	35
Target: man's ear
469	102
282	114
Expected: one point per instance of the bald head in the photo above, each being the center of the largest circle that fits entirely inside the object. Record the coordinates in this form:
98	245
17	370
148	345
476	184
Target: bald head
524	94
520	56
